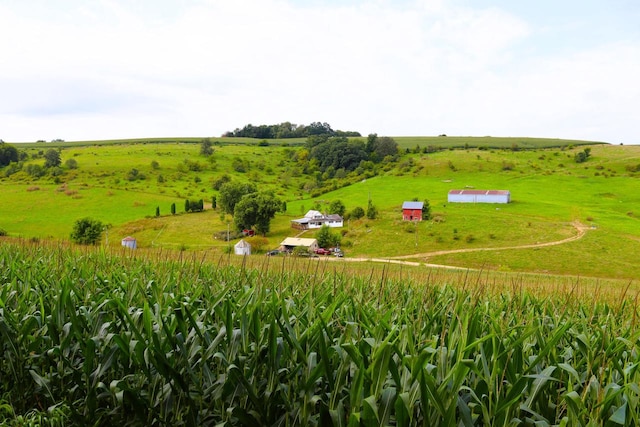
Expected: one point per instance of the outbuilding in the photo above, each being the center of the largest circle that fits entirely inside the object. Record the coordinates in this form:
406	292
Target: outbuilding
412	211
242	248
290	243
479	196
129	242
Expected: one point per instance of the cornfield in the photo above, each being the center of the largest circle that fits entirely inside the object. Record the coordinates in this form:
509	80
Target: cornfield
95	338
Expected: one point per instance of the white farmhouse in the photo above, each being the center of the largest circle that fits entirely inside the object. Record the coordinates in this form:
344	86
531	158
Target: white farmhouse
315	219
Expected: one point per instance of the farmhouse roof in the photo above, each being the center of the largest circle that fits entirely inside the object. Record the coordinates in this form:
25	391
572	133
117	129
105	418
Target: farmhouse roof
313	214
298	241
480	192
129	239
412	205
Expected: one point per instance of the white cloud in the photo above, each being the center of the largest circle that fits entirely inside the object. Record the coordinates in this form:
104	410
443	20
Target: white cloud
119	69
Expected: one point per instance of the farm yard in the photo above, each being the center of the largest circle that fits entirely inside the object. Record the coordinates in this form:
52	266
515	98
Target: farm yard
533	322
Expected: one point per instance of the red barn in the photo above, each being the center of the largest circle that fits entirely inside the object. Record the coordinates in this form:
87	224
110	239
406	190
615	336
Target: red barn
412	211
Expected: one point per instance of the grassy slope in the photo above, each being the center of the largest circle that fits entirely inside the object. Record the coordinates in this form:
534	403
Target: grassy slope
548	188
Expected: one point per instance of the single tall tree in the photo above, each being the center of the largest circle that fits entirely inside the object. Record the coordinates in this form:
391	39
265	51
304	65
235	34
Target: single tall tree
87	231
231	193
52	158
256	210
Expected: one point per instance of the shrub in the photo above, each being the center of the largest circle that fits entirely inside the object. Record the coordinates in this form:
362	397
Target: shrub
3	232
357	213
71	164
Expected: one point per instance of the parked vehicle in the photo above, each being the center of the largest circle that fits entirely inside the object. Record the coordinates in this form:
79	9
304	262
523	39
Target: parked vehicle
274	252
323	251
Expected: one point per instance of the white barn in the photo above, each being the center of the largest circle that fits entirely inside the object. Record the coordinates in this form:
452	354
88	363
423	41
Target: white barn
242	248
479	196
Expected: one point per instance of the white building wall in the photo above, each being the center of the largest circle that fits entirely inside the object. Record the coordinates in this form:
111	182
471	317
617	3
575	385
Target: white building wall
478	198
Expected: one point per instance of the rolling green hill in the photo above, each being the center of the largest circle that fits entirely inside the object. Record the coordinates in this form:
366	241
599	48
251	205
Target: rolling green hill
550	192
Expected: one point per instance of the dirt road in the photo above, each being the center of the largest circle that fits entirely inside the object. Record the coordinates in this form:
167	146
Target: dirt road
581	230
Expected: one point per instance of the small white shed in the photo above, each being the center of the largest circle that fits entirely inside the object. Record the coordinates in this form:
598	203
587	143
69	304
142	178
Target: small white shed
129	242
242	248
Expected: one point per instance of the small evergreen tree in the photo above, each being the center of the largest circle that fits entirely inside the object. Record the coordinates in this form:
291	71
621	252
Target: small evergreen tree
372	211
173	208
157	211
426	210
213	202
187	205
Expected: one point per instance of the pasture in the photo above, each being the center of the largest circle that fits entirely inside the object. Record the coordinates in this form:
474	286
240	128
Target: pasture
550	192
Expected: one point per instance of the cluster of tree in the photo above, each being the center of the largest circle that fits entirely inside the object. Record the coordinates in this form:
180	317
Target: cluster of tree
288	130
582	156
338	152
8	154
193	205
250	208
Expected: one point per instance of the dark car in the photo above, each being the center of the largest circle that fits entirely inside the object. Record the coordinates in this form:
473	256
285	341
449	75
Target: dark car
274	252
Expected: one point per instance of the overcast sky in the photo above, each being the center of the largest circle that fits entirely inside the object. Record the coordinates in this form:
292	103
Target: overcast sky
102	69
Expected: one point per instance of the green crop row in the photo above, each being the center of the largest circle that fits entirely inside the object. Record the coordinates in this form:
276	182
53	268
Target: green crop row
89	337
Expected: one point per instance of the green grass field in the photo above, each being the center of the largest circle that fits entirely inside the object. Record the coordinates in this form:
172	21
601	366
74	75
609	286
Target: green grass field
549	192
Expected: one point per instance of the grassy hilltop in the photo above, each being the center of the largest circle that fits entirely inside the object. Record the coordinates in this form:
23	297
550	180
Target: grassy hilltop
550	193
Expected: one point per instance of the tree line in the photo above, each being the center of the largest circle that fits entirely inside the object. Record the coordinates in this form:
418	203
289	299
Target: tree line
288	130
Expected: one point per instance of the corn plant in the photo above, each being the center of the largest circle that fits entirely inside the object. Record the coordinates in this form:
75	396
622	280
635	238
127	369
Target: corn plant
89	337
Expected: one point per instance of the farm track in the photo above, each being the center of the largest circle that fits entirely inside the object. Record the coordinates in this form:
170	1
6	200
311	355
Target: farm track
580	228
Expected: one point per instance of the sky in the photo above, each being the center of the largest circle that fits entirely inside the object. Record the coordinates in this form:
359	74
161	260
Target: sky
107	69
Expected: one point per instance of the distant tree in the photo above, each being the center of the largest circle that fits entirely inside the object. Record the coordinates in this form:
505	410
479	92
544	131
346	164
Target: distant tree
327	239
135	175
87	231
385	146
35	170
337	207
193	205
218	183
71	164
426	210
256	210
173	208
232	192
583	155
372	139
206	148
372	211
214	202
8	154
157	210
357	213
52	158
155	164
